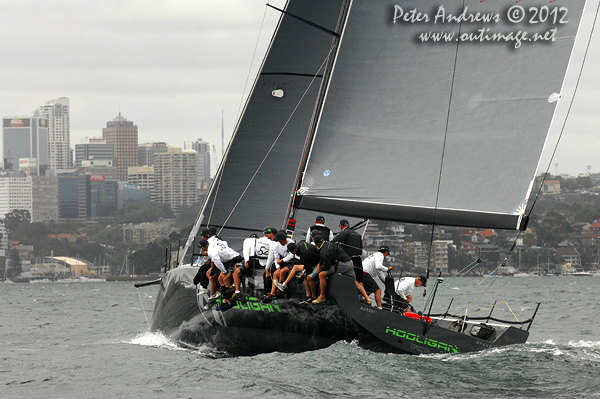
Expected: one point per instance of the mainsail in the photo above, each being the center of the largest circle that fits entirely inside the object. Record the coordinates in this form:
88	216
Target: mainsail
447	132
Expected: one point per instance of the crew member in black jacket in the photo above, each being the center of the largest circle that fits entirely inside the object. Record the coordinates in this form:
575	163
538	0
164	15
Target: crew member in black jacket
332	259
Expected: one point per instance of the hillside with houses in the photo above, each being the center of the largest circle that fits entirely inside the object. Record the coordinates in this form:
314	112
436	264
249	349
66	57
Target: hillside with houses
563	236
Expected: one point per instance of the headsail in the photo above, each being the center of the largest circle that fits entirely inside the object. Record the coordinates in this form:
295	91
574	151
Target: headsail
447	132
254	185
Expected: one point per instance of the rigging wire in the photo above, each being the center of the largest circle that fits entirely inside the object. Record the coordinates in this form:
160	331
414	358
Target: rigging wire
587	48
252	60
143	310
262	22
437	195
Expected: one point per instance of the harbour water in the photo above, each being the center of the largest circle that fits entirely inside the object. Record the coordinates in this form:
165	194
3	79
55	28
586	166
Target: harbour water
91	340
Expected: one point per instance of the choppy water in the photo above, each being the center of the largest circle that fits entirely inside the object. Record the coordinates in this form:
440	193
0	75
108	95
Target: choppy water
90	340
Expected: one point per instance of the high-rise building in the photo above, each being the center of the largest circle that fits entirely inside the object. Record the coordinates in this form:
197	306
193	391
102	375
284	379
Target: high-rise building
71	193
45	200
99	167
101	196
143	176
123	135
203	150
56	112
146	152
15	192
93	149
24	138
175	178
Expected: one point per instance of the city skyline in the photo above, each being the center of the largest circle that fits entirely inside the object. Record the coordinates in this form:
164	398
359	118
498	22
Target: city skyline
177	67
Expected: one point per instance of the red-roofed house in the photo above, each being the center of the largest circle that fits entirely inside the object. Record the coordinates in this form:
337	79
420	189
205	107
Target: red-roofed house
551	187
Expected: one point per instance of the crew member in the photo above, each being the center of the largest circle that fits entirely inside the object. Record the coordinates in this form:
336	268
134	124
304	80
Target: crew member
373	267
332	259
224	260
404	289
308	255
319	228
276	257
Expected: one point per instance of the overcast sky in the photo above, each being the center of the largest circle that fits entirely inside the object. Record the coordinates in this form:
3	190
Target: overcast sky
172	67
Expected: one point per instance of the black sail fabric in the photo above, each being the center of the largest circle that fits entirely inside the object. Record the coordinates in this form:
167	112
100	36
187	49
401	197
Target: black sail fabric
402	114
247	196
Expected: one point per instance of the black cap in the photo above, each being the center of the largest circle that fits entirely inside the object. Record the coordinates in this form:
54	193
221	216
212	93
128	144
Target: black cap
205	233
270	230
318	238
320	219
423	280
344	222
384	248
213	230
253	235
280	236
202	243
292	246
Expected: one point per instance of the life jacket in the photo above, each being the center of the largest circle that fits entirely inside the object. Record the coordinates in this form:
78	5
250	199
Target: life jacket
416	316
319	229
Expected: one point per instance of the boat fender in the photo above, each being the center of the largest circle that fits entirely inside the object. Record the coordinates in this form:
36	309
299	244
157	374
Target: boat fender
482	331
417	316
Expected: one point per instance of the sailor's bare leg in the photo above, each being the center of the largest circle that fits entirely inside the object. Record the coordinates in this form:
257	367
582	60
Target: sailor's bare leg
323	282
378	297
361	289
295	269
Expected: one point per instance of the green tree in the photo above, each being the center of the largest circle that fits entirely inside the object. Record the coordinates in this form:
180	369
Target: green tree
15	264
16	217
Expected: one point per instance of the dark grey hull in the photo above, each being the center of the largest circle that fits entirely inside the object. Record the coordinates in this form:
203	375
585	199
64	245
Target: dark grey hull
284	325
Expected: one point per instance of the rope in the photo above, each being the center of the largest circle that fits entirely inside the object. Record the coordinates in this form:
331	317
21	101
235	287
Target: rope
143	310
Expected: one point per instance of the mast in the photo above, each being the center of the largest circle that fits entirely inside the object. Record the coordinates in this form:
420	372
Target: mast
318	106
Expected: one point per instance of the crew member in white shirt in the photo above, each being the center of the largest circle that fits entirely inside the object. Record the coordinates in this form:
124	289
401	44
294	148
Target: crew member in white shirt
373	267
404	289
224	260
282	267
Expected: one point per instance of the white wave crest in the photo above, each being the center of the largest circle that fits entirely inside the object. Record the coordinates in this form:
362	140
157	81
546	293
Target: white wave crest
585	344
155	339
